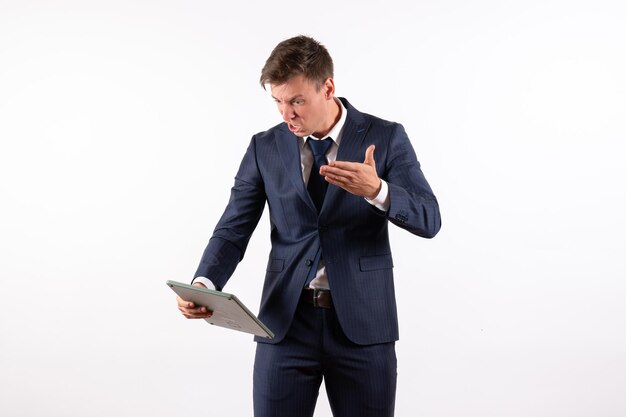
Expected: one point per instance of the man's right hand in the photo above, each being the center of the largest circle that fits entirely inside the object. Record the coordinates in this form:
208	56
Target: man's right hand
190	310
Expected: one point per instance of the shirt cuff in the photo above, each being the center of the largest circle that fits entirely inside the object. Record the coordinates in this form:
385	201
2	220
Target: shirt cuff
202	280
381	202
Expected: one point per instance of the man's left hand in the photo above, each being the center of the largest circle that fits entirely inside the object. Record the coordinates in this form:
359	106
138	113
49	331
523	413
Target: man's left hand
356	178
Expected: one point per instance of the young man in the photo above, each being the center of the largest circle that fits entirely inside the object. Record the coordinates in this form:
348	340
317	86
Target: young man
333	178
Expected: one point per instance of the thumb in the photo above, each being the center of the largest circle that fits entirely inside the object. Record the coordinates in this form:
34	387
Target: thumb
369	156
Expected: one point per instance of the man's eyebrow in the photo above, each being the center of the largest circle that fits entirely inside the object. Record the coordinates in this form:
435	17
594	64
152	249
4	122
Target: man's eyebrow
291	99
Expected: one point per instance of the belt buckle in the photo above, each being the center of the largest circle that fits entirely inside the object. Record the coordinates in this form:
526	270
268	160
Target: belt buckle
317	292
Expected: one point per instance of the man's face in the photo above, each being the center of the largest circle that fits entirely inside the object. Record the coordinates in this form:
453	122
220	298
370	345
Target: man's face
306	109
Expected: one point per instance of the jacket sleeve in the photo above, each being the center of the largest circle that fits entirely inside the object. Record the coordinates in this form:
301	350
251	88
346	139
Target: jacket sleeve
413	205
228	244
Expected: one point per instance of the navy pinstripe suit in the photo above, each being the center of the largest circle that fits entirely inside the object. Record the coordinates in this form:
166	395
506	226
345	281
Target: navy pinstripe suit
352	233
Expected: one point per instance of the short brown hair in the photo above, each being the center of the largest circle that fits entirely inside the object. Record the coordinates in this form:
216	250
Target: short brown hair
300	55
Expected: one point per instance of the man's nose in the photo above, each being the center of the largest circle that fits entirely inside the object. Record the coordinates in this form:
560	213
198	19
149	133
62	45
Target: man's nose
287	113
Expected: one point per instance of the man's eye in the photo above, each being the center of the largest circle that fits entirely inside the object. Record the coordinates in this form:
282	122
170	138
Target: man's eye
298	102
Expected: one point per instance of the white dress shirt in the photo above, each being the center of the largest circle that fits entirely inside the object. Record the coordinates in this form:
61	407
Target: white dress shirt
306	162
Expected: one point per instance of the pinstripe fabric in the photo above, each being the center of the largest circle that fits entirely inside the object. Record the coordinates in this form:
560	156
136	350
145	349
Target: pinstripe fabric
353	234
353	345
360	380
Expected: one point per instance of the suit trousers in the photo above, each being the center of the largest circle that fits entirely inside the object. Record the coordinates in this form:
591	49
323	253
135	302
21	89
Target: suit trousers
360	380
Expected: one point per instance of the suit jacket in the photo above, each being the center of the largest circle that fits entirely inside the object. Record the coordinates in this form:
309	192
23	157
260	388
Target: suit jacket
352	233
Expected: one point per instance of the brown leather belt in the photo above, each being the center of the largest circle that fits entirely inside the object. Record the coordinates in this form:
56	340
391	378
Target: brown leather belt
318	297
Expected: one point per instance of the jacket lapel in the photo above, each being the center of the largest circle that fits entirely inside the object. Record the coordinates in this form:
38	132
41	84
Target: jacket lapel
289	150
350	148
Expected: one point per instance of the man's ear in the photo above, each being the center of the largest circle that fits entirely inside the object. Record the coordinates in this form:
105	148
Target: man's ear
329	88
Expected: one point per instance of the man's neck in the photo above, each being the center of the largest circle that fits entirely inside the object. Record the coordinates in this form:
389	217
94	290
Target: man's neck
334	112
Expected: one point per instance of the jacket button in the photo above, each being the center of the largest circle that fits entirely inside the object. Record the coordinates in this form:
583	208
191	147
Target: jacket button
308	262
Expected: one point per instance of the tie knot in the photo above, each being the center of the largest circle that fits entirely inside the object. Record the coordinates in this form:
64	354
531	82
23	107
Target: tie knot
320	147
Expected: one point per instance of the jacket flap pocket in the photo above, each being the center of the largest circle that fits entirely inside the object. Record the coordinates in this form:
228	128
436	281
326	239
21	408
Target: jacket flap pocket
372	263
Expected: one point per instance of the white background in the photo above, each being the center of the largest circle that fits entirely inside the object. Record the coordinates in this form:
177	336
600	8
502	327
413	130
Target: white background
122	124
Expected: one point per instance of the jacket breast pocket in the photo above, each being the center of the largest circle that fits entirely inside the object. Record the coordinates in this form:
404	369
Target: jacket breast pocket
372	263
275	265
